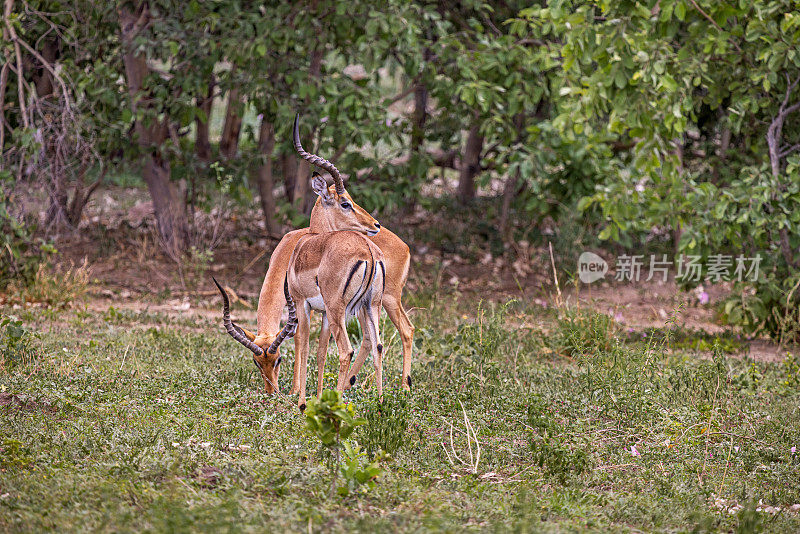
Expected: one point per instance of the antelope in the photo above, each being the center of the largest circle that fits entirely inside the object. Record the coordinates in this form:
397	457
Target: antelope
326	216
316	281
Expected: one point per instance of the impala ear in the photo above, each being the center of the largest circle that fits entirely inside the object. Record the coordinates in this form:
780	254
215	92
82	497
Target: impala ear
320	187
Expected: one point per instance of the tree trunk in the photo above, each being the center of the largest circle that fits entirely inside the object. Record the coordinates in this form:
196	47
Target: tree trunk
303	199
470	165
202	145
80	197
169	210
43	79
509	192
266	145
289	172
420	109
774	140
229	141
420	117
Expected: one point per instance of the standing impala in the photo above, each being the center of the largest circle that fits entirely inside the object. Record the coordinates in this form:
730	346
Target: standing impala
341	214
341	274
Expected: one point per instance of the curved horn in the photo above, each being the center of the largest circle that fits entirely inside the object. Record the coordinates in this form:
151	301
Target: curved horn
234	331
290	327
316	160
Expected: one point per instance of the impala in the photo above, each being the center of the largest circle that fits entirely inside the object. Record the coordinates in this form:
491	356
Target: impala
326	217
317	281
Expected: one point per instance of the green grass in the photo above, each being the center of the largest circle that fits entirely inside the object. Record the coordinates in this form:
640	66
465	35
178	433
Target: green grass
130	422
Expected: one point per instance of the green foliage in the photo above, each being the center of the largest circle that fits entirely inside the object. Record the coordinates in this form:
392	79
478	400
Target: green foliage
21	254
330	419
356	470
14	455
16	342
582	331
125	410
771	307
387	421
549	449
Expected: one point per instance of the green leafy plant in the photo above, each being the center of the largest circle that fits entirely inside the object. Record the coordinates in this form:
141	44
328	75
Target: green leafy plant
16	342
582	331
356	470
21	255
550	453
332	421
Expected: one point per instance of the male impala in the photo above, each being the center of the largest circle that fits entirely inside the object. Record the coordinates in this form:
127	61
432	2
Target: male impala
341	274
326	217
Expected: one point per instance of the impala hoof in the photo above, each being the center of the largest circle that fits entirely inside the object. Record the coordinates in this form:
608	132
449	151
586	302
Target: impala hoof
352	380
380	348
303	407
408	379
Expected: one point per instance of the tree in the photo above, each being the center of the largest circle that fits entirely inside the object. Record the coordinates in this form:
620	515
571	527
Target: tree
686	81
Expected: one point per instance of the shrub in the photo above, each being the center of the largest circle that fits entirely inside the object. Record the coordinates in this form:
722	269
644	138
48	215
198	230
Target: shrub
332	422
53	289
21	255
584	332
770	306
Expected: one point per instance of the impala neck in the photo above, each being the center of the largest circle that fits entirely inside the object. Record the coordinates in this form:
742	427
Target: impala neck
320	223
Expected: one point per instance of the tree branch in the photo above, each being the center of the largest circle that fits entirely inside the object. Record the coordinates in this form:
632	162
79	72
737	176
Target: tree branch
788	150
712	21
47	66
11	34
3	83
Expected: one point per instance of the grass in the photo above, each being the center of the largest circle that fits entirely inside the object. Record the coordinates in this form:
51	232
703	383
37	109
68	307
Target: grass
130	422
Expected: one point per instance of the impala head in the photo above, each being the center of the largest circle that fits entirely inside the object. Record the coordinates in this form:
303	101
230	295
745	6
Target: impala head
269	361
269	365
334	209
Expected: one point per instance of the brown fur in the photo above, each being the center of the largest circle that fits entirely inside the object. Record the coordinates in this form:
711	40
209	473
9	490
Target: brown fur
271	300
316	270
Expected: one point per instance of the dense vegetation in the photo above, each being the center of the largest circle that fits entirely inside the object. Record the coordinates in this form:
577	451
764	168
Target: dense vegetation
666	120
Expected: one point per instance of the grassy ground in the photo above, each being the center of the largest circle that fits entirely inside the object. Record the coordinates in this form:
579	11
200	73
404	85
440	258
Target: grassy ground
131	421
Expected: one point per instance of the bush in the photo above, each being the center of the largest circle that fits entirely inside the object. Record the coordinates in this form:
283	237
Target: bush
21	255
770	306
53	289
584	332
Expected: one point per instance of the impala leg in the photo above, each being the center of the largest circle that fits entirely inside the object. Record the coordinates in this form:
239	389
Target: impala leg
296	374
397	314
322	352
371	316
339	330
296	369
362	351
302	349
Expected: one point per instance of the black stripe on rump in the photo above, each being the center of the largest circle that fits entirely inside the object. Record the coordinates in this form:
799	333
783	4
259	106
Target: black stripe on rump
383	271
350	276
362	289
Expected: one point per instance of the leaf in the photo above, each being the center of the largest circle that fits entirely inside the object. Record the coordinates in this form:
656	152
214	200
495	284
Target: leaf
680	11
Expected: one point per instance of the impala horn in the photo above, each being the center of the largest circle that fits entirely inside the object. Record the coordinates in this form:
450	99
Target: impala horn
290	327
316	160
234	331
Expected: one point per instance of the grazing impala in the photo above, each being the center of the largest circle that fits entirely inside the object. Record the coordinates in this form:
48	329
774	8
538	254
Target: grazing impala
340	214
